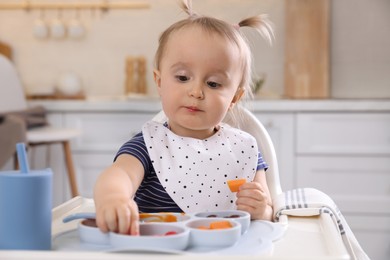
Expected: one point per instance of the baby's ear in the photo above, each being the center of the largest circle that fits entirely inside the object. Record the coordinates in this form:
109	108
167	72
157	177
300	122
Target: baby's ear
157	77
239	94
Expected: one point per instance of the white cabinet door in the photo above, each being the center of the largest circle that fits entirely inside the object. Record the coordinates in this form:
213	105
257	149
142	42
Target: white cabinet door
88	167
373	234
102	136
343	133
280	127
358	185
347	155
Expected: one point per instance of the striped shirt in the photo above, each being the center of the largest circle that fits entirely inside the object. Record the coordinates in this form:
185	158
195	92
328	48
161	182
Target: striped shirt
151	195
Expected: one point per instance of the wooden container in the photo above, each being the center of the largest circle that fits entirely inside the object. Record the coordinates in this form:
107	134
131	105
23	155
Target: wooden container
135	82
307	49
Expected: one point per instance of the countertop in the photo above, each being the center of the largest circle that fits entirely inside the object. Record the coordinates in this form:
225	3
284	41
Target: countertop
150	104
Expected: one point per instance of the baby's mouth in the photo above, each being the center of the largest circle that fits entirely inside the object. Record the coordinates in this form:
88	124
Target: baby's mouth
193	108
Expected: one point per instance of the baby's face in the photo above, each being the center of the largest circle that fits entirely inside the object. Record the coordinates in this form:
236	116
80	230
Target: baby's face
198	81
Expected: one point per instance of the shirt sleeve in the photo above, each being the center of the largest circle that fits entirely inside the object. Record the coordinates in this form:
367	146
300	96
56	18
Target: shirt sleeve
137	148
261	164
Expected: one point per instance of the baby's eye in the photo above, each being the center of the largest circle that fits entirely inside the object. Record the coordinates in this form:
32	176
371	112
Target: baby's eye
181	78
213	84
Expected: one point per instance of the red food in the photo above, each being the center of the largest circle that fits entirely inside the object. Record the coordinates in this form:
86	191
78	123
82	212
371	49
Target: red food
170	233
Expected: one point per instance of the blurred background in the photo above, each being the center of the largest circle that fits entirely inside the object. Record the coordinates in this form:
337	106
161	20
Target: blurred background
359	40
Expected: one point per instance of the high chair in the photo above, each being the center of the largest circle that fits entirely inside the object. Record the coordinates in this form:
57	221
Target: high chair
301	202
12	99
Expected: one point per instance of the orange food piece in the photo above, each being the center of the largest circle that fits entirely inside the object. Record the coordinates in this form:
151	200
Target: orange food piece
203	227
170	218
156	217
224	224
150	217
220	224
234	185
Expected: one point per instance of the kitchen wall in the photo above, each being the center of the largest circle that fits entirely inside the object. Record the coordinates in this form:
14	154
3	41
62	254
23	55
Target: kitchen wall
360	36
360	48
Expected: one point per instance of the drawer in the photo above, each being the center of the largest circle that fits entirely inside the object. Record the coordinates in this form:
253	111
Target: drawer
105	131
343	133
356	184
373	234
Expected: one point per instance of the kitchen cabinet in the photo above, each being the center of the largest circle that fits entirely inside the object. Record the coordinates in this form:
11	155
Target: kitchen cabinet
103	134
341	147
347	155
280	127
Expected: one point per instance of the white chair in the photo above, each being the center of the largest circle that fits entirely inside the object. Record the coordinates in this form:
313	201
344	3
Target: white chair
250	124
12	98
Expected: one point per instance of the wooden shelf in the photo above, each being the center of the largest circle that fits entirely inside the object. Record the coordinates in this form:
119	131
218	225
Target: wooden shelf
56	96
102	4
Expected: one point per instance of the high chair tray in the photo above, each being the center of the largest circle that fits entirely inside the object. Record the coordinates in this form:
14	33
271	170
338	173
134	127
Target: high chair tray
258	240
294	238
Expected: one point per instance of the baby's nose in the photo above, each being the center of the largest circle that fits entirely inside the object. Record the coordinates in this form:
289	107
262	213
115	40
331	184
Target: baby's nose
196	91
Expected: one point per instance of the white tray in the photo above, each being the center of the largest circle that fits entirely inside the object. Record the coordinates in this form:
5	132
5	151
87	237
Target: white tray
258	240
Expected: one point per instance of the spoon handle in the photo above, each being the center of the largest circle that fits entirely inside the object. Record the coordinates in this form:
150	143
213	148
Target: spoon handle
81	215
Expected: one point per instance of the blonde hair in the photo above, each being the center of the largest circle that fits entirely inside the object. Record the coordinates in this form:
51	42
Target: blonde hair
230	31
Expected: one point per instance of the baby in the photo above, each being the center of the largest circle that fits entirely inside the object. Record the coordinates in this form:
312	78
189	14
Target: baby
202	69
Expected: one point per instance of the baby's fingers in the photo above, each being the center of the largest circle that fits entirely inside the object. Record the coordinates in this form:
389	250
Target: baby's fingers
134	222
124	216
106	220
101	223
111	219
251	186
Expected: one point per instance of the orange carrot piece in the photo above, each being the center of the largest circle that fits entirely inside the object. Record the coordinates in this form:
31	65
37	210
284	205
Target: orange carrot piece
234	185
170	218
220	225
202	227
149	217
157	217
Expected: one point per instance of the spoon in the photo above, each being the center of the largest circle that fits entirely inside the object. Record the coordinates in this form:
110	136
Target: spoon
80	215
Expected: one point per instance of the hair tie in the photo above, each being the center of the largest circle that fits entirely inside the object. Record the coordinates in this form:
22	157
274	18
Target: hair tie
236	26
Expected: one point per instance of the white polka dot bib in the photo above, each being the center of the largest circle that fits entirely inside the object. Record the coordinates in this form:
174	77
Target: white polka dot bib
194	172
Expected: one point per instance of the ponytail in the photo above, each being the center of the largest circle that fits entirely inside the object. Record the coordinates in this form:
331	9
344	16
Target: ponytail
260	23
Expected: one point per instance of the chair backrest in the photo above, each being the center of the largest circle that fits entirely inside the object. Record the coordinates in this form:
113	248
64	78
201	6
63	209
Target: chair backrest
250	124
12	97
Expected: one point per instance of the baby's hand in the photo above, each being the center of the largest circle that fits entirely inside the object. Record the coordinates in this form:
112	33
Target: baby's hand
252	199
118	215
